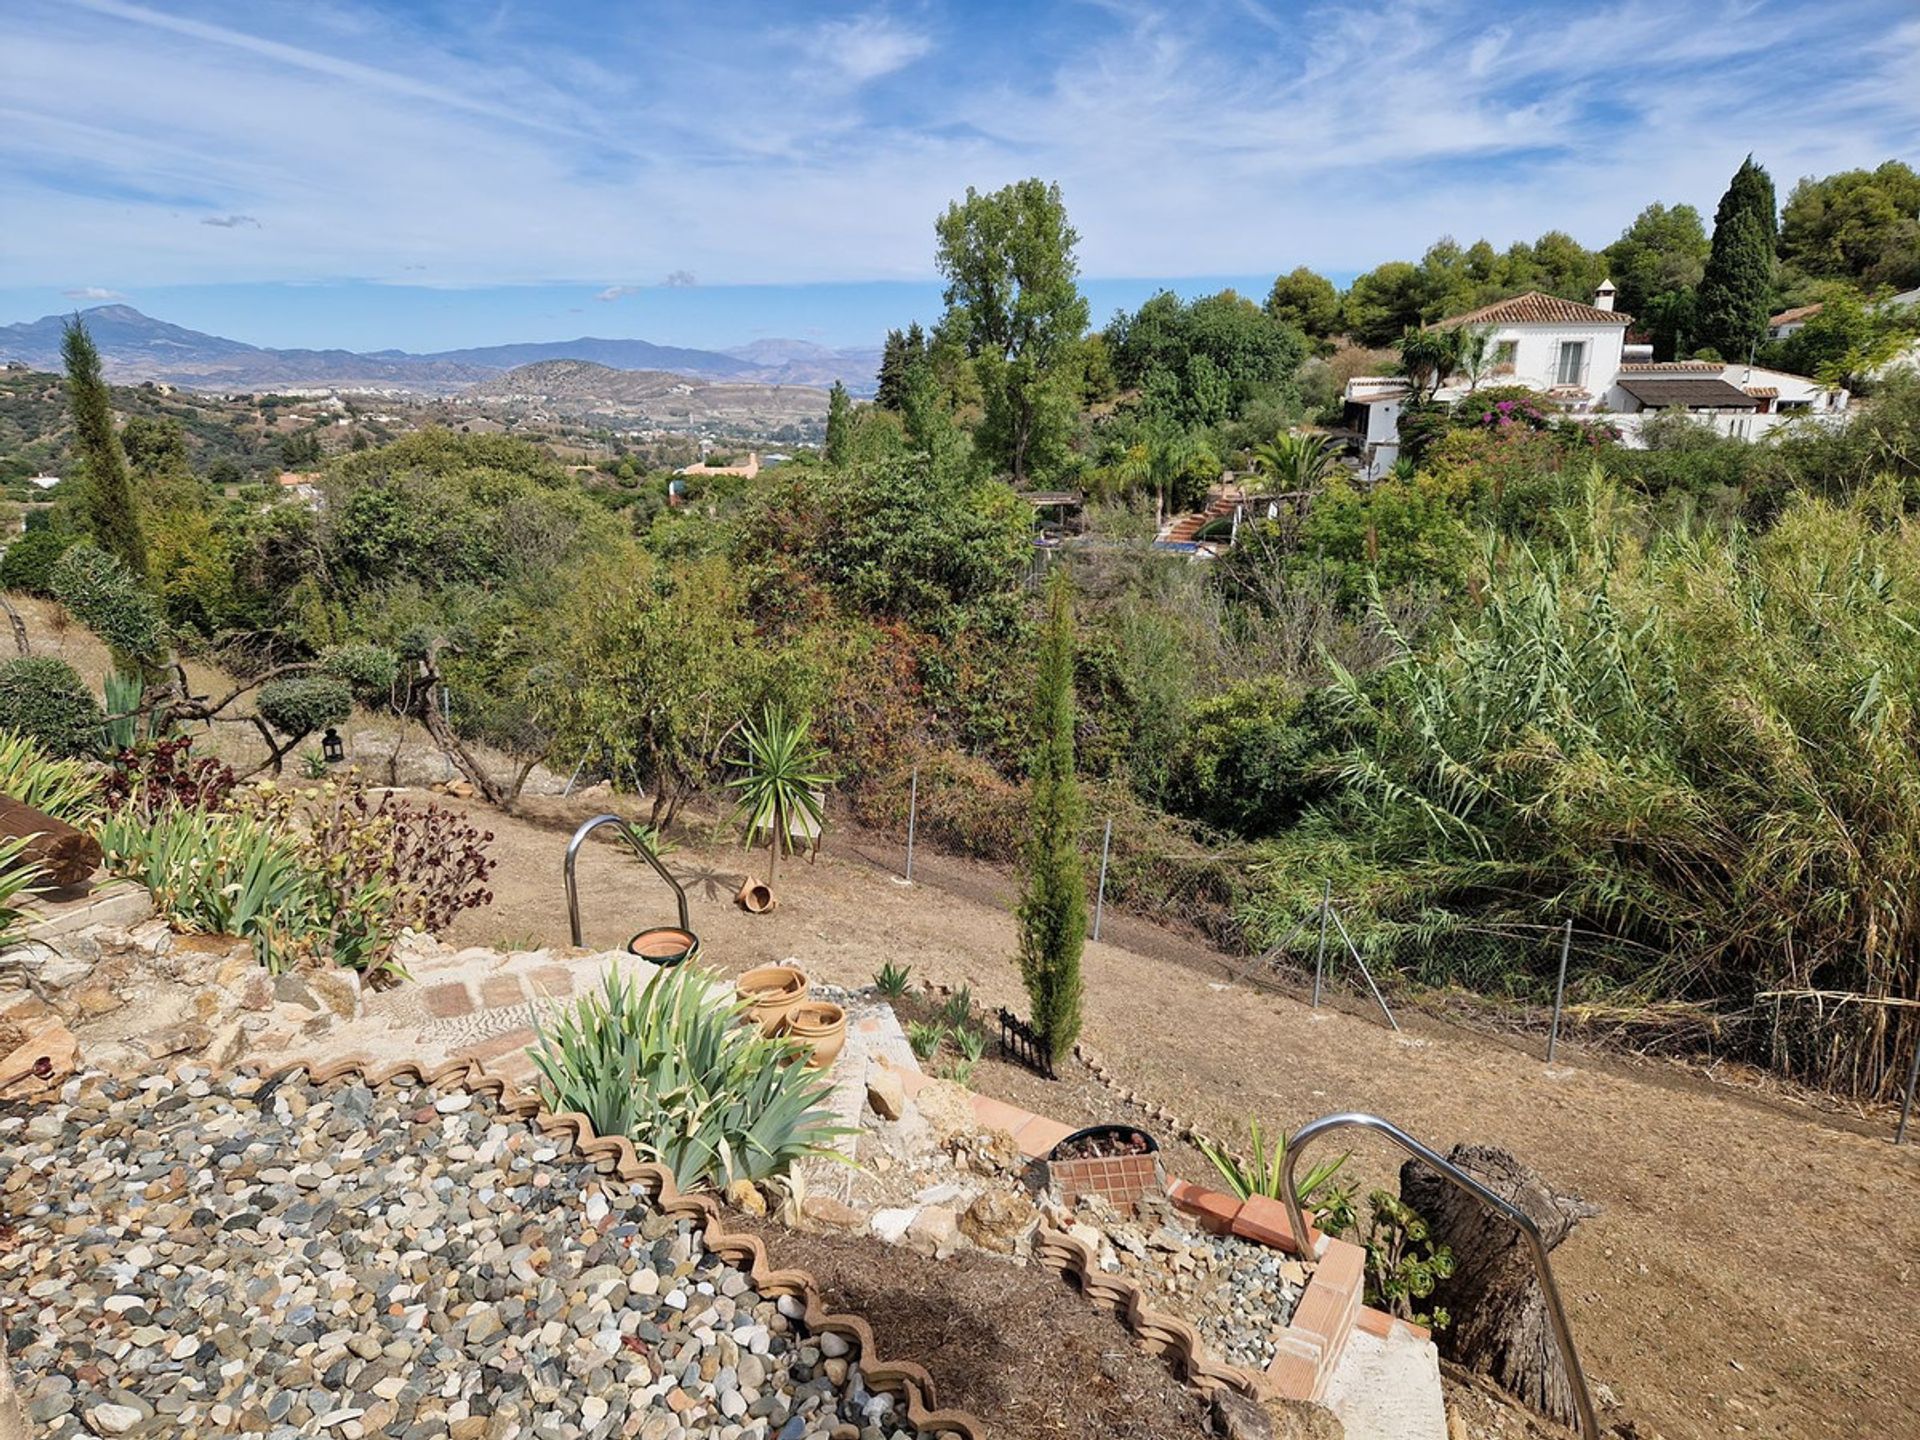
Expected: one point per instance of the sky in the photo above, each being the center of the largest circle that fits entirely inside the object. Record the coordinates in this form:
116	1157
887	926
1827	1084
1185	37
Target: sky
424	174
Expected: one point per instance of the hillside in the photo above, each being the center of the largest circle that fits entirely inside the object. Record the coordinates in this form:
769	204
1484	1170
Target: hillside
137	347
581	389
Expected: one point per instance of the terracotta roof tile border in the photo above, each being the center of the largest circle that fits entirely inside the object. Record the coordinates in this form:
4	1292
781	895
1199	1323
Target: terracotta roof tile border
615	1155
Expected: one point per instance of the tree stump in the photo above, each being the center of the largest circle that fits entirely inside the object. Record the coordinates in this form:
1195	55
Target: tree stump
64	854
1500	1327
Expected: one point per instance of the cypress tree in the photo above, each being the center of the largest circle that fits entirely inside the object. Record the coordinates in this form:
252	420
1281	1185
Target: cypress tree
839	425
1053	900
106	493
890	392
1736	292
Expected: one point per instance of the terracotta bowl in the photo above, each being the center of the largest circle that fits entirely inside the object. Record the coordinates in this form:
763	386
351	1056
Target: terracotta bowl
771	992
822	1027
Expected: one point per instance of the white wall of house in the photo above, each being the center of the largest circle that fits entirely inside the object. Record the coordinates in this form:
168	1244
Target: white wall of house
1540	358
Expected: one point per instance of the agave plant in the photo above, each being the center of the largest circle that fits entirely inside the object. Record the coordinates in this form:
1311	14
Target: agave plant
1262	1172
667	1063
17	879
782	776
891	980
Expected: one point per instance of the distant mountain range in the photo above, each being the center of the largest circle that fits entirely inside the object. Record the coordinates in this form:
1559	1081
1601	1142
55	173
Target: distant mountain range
135	347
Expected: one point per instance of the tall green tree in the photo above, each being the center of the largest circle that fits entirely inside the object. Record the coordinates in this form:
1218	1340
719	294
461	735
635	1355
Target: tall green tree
1859	225
1306	300
839	425
1013	301
1053	898
107	510
1737	288
1663	251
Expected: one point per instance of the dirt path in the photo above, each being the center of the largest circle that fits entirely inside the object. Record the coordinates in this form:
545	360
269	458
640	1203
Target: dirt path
1753	1265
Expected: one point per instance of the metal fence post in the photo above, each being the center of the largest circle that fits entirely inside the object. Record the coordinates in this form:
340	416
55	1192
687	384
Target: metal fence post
1320	957
1559	991
913	814
1906	1108
1100	896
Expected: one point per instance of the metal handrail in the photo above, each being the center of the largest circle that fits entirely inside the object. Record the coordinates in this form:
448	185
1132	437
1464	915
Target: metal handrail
1562	1332
627	833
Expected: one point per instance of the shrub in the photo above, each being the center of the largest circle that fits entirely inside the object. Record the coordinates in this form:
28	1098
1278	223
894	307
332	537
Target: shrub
1262	1172
108	598
166	775
28	563
428	862
369	671
45	700
666	1063
300	706
63	788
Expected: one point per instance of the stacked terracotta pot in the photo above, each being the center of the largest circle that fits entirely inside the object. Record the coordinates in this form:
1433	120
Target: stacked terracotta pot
777	1001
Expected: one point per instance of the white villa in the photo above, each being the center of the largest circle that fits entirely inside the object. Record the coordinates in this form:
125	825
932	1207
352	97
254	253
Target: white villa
1578	358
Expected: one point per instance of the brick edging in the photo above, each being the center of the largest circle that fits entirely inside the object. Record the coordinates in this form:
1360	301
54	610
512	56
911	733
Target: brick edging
615	1155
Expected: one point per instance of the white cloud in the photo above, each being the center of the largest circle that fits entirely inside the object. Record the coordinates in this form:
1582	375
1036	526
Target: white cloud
1215	137
866	47
92	292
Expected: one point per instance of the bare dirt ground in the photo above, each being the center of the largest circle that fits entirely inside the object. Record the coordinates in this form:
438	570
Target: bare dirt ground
1752	1266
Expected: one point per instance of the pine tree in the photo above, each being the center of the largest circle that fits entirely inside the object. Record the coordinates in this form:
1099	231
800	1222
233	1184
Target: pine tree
839	425
106	493
890	391
1736	292
1053	901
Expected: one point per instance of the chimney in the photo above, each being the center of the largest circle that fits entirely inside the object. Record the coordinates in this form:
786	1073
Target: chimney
1603	296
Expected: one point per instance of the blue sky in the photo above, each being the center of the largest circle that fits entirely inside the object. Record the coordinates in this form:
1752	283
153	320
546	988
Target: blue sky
450	172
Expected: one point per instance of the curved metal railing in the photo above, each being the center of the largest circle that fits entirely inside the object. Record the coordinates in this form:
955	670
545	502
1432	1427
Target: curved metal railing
1556	1312
633	839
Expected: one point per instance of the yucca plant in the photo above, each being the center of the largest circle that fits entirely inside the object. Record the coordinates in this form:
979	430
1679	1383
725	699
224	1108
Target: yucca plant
668	1063
891	980
1261	1172
65	789
17	879
926	1037
782	775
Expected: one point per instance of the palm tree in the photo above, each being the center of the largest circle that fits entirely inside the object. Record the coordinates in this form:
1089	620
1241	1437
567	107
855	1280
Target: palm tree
1428	356
1295	463
781	780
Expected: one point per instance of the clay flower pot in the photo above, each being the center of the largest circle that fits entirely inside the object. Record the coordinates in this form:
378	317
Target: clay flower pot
756	896
820	1025
771	992
665	945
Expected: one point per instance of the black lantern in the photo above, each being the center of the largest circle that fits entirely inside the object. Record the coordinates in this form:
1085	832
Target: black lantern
331	747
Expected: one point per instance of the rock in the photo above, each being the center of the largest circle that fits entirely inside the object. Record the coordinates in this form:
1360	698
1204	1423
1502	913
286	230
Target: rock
1235	1417
948	1110
188	1037
338	990
886	1096
989	1152
97	1000
934	1231
113	1419
745	1195
998	1219
891	1224
832	1213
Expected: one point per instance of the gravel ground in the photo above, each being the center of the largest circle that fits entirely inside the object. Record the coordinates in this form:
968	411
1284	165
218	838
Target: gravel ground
232	1258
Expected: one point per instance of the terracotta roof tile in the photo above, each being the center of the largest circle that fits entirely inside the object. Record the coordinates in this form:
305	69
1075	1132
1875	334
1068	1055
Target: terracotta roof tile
1673	367
1798	312
1533	308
